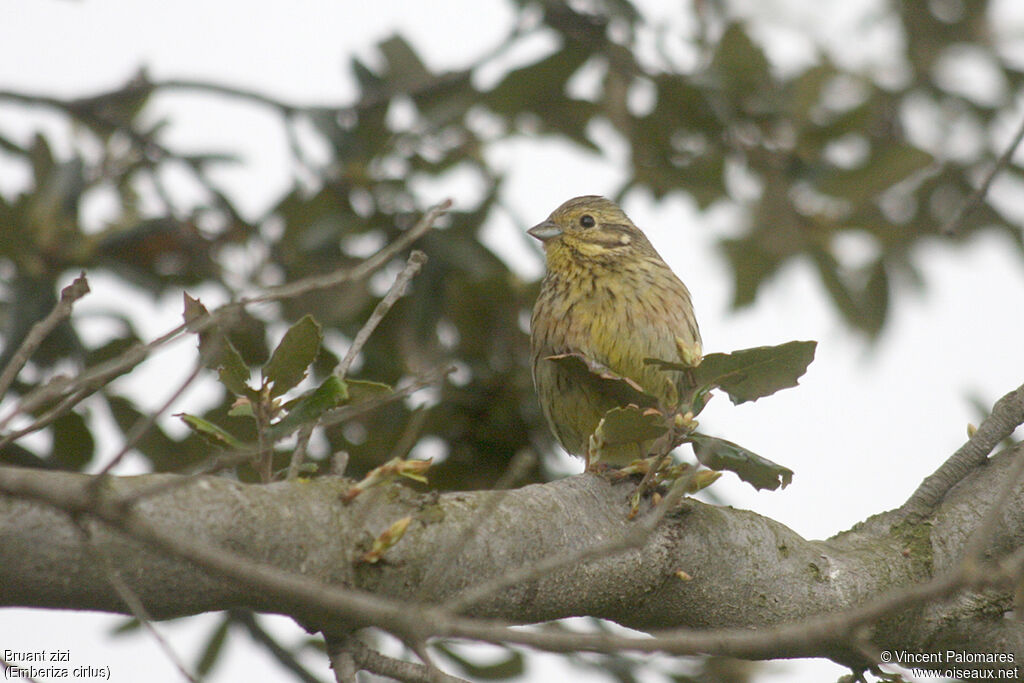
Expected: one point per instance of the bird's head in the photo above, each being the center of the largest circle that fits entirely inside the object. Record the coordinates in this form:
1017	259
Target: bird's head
590	226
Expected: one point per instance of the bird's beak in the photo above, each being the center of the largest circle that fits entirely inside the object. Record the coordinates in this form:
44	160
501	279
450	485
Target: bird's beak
545	231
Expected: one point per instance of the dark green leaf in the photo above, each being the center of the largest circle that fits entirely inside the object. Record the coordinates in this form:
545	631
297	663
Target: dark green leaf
213	648
749	374
406	72
507	668
165	453
719	454
233	372
889	164
629	425
73	445
739	63
292	357
220	352
331	393
620	390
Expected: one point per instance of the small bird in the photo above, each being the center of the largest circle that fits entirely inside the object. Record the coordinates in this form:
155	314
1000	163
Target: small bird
608	296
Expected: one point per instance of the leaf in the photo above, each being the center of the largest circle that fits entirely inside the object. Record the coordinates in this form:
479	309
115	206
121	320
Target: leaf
888	165
629	425
209	431
621	390
719	454
331	393
213	647
297	350
739	63
233	373
360	390
73	443
624	434
194	312
511	665
749	374
222	355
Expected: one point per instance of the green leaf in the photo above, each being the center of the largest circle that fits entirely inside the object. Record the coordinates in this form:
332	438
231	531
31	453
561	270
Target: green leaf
889	164
331	393
297	350
194	312
749	374
73	444
510	666
213	648
739	63
719	454
406	72
621	390
221	353
233	372
629	425
360	390
209	431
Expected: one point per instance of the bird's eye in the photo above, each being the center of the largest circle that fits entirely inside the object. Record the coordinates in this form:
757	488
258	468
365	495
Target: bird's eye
587	221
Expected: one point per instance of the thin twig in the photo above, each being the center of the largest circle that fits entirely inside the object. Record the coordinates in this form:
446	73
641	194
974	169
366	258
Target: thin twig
953	225
410	672
95	378
134	604
412	266
141	427
68	296
410	434
242	455
361	270
299	453
340	656
1007	415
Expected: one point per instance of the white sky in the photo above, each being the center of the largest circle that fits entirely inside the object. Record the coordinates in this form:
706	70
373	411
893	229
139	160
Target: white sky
866	424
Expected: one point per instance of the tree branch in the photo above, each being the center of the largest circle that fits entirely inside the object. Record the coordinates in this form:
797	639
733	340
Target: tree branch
757	590
1007	415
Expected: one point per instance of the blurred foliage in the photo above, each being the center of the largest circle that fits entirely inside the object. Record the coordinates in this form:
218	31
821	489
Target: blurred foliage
810	155
824	152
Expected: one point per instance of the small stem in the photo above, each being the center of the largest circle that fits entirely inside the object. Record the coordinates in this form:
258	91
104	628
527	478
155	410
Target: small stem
398	287
68	296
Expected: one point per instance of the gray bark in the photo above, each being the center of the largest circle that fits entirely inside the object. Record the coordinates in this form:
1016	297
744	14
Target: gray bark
746	570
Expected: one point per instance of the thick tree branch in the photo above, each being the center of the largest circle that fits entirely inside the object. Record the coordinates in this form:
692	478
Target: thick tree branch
287	547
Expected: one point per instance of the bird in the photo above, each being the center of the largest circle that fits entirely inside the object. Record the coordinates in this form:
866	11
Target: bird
608	298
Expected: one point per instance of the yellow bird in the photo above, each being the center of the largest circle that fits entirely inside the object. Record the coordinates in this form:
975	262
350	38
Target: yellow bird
609	296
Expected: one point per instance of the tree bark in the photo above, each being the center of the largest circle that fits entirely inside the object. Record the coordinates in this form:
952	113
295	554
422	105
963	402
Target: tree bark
740	569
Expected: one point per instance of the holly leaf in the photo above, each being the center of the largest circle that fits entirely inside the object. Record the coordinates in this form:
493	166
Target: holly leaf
625	429
748	374
360	390
719	454
292	357
621	390
221	353
331	393
209	431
